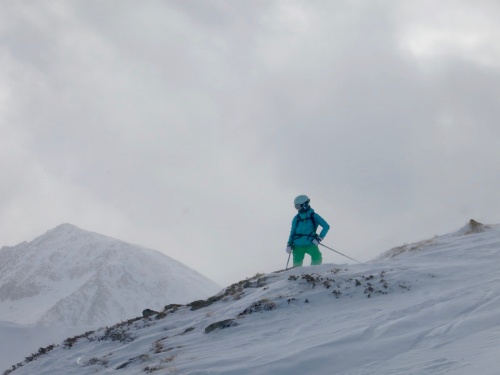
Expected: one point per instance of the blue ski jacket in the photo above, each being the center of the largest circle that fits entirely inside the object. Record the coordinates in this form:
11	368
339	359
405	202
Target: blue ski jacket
304	226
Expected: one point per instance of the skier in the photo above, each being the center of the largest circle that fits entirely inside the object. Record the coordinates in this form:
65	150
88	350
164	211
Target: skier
303	238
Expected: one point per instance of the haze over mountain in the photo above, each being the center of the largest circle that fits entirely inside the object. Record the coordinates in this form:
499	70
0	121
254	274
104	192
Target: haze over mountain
72	277
430	308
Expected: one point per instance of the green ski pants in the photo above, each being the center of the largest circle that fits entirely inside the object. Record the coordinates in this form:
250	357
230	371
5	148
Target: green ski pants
300	251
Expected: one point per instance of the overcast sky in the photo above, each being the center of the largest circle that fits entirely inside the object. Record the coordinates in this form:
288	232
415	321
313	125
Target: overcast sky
190	126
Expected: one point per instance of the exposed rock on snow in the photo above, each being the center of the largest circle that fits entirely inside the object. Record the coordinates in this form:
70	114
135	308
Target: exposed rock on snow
148	312
221	325
473	226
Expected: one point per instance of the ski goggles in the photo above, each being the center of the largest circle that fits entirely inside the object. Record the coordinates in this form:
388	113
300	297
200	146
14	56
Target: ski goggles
302	205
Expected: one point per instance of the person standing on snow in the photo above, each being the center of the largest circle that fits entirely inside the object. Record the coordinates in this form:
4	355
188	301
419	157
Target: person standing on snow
303	238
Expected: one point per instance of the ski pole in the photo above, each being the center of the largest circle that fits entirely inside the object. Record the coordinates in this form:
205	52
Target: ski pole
288	261
338	252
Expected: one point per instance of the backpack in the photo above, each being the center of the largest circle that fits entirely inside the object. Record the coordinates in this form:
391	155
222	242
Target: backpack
312	234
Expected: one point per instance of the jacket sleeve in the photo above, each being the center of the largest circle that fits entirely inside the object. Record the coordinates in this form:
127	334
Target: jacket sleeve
325	227
292	231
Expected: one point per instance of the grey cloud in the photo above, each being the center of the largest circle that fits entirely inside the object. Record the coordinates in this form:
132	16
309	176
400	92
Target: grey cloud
190	126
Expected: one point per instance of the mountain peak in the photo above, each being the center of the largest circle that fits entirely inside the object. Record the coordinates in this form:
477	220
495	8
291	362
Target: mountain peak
70	276
66	227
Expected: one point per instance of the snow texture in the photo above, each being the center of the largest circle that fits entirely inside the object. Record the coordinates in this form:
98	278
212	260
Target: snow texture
428	308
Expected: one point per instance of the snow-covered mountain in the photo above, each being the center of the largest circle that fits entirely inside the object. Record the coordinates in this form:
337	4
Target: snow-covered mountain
72	277
429	308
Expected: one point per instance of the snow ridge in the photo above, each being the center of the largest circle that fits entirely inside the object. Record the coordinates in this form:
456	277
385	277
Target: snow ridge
428	311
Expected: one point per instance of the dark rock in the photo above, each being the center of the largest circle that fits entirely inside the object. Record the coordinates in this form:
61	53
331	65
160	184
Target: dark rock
142	358
174	307
222	324
475	227
186	331
148	312
161	315
195	305
262	305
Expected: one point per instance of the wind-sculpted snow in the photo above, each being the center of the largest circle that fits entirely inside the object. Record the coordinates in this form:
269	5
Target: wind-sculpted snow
432	311
243	304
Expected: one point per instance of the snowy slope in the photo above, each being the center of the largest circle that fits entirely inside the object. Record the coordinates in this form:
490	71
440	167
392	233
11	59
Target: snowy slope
17	341
426	308
72	277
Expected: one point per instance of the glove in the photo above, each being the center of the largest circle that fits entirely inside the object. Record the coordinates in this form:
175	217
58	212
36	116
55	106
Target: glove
317	240
289	249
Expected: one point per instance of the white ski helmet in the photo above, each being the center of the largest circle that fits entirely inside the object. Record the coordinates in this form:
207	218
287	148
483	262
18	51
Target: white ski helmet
301	202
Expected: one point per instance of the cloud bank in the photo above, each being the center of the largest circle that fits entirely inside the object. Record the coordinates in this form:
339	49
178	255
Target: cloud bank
190	126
